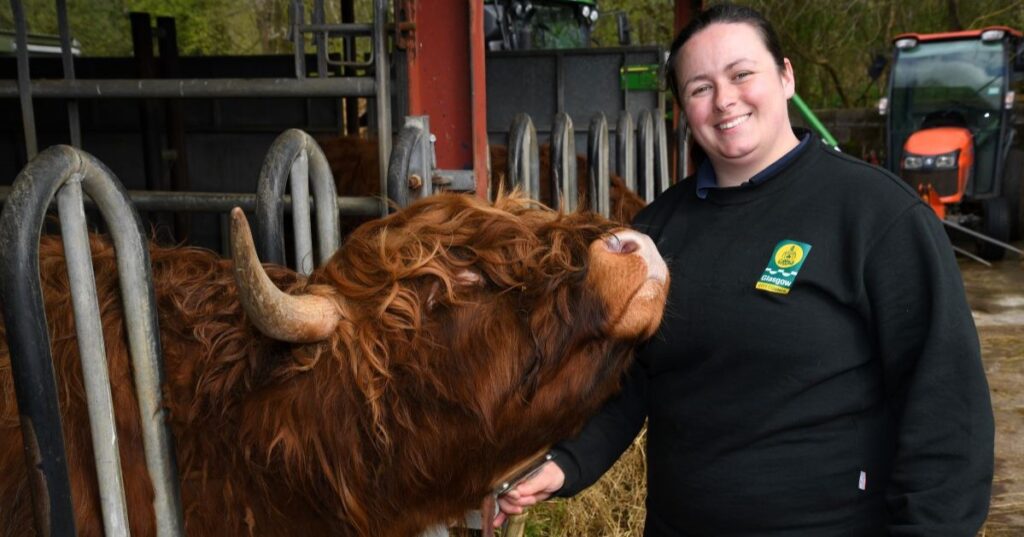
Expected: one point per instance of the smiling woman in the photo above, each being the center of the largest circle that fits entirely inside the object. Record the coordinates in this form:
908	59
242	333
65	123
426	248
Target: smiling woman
818	370
734	100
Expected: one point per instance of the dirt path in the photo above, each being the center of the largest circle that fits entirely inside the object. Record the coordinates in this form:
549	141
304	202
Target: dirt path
997	299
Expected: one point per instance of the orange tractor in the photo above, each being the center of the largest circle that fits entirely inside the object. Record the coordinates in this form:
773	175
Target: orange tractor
951	132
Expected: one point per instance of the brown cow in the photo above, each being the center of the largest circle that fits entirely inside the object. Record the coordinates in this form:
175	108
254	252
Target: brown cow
441	347
353	162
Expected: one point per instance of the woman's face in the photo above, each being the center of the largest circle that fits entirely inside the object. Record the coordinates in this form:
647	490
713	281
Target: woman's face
734	97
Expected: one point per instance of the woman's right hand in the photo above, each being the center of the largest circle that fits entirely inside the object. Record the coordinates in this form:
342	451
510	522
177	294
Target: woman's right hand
530	491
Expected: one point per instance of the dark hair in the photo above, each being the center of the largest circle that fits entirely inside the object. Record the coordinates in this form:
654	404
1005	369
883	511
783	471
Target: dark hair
724	14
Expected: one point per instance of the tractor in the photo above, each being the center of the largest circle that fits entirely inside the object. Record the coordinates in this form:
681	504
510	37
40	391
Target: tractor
538	24
950	129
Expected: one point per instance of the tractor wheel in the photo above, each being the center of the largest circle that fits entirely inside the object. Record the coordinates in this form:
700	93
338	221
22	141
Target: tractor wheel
995	224
1013	175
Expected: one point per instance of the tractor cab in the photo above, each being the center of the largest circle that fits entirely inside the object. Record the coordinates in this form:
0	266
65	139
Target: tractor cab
538	24
950	127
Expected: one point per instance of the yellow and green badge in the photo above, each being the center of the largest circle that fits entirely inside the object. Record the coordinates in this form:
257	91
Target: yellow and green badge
783	266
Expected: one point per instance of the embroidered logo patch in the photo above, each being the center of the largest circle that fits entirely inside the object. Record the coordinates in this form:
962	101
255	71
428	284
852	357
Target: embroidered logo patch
783	267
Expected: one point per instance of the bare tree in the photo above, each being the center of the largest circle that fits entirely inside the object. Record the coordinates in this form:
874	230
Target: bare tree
953	15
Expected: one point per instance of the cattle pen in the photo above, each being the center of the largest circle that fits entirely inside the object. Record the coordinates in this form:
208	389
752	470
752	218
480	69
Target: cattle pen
159	148
173	189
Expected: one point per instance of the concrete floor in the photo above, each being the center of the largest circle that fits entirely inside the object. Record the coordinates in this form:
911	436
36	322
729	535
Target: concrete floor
996	296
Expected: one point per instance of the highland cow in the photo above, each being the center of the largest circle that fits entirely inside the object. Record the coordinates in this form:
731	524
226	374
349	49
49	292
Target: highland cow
389	391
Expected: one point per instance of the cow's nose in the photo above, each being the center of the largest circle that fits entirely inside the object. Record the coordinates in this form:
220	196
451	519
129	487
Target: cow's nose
630	242
621	244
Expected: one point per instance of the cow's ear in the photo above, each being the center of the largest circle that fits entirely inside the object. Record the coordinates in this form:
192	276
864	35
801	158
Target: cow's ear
464	278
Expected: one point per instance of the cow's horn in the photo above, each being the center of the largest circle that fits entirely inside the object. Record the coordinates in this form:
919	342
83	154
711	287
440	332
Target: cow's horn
296	319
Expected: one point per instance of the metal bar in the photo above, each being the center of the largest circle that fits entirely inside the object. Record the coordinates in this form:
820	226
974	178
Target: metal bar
23	88
982	236
223	202
646	168
564	180
93	355
970	255
143	338
523	156
290	146
303	232
383	91
625	156
193	88
29	342
348	16
455	180
320	38
368	63
150	111
813	121
446	41
22	219
345	29
269	193
559	82
298	43
597	158
478	97
662	177
174	119
68	62
682	150
328	232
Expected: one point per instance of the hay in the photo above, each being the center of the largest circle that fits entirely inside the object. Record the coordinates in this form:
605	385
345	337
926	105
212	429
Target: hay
613	507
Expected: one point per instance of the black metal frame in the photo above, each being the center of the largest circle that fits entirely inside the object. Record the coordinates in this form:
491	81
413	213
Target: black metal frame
295	154
21	224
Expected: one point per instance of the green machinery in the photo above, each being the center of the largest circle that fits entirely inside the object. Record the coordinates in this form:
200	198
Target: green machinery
538	24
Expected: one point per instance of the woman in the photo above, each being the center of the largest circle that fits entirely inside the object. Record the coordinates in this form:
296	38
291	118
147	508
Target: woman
818	370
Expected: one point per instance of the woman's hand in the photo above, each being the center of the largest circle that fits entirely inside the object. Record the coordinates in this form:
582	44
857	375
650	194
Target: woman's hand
534	490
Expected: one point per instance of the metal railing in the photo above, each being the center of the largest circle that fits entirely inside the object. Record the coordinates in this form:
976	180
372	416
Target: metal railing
642	159
376	86
294	159
66	172
294	155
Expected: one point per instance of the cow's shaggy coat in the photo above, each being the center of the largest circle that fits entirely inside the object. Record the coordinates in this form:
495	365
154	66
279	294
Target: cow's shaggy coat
471	338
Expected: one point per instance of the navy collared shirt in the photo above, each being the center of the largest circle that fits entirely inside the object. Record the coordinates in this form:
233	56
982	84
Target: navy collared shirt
706	178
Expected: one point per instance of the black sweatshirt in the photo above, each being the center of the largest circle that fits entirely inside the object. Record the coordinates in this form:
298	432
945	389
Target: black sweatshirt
817	371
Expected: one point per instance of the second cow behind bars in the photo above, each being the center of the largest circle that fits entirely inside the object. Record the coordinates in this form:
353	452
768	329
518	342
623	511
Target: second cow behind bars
437	350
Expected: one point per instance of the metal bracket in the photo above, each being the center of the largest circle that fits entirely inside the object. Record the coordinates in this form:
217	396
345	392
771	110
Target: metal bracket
410	168
457	180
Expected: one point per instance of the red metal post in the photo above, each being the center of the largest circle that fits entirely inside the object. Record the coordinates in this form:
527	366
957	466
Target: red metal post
686	10
446	81
478	94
